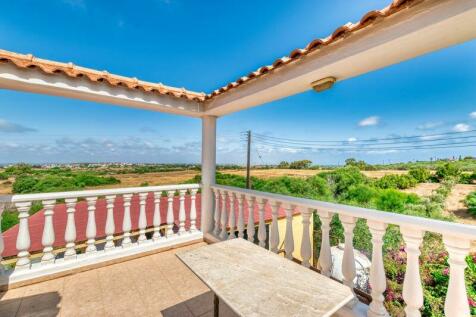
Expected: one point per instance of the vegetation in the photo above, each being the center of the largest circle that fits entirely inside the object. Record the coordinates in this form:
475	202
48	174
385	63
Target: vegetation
470	202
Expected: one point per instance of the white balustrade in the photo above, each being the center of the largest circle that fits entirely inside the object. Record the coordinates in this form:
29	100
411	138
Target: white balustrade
231	218
48	237
170	213
91	225
70	232
412	288
325	258
261	226
23	237
193	210
378	281
348	259
126	221
142	218
274	231
241	216
250	226
223	233
110	226
156	220
289	236
182	211
306	250
217	216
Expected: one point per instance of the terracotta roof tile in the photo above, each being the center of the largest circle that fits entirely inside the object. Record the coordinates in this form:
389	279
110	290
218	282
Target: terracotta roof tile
71	70
342	31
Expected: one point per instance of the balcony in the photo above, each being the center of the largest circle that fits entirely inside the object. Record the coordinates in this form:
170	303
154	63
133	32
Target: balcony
81	254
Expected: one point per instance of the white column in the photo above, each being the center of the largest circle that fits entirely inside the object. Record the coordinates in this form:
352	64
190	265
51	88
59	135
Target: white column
325	258
216	216
241	216
232	217
70	233
182	216
456	303
23	239
126	221
412	288
193	211
261	226
48	237
142	218
348	260
288	238
91	225
110	228
156	221
274	231
224	218
170	214
377	278
208	171
250	227
306	251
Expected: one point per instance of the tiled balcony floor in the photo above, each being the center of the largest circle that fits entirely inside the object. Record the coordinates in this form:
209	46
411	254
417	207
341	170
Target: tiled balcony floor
155	285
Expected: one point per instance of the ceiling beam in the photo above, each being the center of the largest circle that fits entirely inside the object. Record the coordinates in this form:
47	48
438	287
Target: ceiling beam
417	30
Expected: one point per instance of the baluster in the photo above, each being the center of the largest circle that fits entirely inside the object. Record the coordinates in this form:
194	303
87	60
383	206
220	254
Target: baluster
2	245
325	258
91	225
70	233
48	237
348	260
288	238
216	216
170	213
241	216
126	222
156	221
182	211
412	289
250	227
223	233
306	238
232	218
377	279
274	231
23	239
142	218
261	226
456	303
110	228
193	211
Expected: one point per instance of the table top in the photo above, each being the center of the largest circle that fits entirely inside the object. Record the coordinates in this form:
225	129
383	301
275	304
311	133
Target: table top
253	281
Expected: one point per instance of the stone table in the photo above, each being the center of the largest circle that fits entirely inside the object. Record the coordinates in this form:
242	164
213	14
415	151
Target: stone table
253	281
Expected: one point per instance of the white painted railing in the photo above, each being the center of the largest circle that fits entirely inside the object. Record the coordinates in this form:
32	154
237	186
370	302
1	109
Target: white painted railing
457	239
116	243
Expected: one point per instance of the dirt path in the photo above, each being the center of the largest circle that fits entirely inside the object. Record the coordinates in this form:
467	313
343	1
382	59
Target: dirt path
423	189
277	172
454	204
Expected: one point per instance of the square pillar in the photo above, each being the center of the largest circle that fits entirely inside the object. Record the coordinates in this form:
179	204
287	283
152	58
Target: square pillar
208	171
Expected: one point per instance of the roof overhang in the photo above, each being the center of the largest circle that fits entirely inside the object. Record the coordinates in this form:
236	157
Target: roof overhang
416	30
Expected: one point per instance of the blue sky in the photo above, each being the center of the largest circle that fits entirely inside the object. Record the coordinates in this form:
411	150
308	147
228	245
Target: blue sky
202	45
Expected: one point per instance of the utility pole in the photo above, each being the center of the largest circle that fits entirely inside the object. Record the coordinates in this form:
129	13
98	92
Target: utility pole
248	160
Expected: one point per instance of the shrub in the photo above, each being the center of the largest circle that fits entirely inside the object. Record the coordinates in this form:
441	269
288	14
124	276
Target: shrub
341	179
394	200
396	182
421	174
447	170
3	176
283	164
360	193
302	164
470	202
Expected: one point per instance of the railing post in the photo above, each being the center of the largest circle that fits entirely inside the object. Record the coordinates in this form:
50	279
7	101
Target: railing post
412	289
289	238
223	233
142	218
378	281
325	257
348	260
126	222
156	221
110	227
208	171
456	303
274	230
261	226
216	215
91	225
241	216
250	227
193	211
23	238
232	217
182	216
70	232
48	237
170	214
306	238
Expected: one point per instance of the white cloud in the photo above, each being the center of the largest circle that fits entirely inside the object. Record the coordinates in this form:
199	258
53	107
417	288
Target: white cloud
472	115
10	127
461	127
370	121
352	139
429	125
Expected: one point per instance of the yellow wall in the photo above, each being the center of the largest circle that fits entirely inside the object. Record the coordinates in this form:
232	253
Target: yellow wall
297	235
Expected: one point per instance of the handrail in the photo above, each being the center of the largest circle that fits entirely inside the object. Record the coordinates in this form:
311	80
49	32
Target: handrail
96	192
443	227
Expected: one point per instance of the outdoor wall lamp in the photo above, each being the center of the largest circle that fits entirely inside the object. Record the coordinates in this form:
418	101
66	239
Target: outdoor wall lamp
323	84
